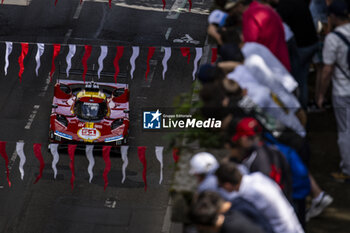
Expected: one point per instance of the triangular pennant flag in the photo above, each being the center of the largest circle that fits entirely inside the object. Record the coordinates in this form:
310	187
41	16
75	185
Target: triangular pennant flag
214	55
186	53
124	152
135	54
2	1
7	54
56	51
71	152
164	3
6	158
149	56
55	156
56	2
39	156
24	53
167	54
141	151
22	157
105	154
103	54
39	53
176	155
159	155
88	49
110	3
81	1
199	53
71	53
90	157
120	50
190	7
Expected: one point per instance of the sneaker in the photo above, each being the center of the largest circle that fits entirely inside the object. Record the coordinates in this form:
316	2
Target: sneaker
317	206
313	108
341	177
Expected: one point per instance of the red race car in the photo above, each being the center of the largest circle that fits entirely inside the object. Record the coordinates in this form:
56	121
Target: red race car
91	113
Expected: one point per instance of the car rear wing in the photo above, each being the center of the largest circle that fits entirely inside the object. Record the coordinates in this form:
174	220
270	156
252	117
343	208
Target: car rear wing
74	82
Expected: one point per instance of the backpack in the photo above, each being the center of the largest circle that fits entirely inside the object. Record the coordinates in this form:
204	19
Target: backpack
346	41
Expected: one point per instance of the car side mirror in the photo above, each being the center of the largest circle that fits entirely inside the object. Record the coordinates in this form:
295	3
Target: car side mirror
126	111
54	106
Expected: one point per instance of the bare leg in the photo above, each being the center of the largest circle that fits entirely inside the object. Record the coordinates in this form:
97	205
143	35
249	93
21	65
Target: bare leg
315	189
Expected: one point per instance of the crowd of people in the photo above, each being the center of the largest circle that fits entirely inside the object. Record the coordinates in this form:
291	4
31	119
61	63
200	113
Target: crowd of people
258	88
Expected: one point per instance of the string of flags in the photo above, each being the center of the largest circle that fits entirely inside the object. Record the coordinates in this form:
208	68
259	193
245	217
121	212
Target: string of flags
110	3
141	151
185	51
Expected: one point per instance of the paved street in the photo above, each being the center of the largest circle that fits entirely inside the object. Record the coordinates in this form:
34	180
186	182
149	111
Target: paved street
50	206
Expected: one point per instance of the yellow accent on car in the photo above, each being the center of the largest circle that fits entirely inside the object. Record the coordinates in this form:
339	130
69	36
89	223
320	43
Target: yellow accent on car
91	94
89	125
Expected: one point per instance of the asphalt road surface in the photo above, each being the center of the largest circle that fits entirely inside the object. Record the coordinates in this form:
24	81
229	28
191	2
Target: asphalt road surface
50	206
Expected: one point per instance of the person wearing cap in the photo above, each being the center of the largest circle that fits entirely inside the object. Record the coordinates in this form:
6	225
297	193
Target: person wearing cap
336	68
263	193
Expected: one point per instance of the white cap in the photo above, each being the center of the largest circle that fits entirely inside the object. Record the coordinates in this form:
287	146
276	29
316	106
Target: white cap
217	17
203	163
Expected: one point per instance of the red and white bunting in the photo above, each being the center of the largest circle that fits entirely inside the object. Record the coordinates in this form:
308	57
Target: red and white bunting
90	157
141	151
151	51
135	54
71	53
124	152
103	54
186	52
106	150
22	157
6	158
120	51
190	7
55	158
164	3
56	51
88	50
214	55
176	155
39	156
199	53
159	155
39	53
167	55
24	53
7	54
71	153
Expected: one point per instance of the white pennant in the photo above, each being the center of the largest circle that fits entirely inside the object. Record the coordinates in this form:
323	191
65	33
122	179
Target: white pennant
22	157
71	53
55	156
135	54
8	52
39	52
90	157
124	152
104	51
159	155
199	52
166	57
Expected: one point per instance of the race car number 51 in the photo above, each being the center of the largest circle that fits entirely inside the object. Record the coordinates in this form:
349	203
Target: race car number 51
88	133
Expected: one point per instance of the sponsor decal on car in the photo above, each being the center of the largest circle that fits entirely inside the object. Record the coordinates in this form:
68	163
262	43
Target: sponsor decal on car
89	133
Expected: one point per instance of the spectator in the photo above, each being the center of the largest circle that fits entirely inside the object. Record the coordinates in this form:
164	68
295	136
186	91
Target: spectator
263	193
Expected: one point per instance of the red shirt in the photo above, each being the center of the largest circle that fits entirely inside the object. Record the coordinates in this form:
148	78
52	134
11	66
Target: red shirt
263	25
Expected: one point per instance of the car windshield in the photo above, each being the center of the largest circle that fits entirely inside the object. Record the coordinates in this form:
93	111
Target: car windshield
90	111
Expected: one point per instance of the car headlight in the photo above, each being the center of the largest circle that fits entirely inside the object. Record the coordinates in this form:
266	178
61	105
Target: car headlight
116	123
62	119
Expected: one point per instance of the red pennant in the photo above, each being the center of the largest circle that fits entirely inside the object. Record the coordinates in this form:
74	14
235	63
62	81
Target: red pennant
24	53
149	56
56	51
110	3
6	158
88	49
163	4
39	156
56	2
120	50
186	53
2	1
106	150
141	151
71	151
214	54
190	2
81	1
176	155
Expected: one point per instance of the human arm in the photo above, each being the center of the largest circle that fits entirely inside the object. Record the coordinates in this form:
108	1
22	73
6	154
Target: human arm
213	32
228	66
325	80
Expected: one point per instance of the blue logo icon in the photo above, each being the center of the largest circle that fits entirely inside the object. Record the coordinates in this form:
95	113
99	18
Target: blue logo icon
151	120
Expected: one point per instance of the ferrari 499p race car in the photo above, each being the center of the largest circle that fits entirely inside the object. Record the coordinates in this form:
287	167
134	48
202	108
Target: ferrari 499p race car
91	113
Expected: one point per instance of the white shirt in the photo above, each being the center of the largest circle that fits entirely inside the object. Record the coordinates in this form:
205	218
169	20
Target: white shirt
267	197
335	52
277	71
261	96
